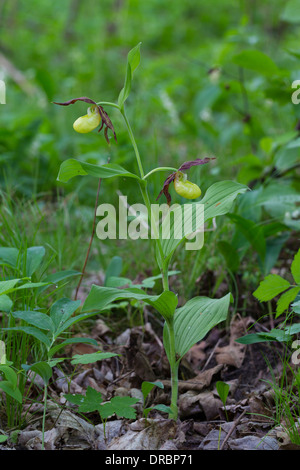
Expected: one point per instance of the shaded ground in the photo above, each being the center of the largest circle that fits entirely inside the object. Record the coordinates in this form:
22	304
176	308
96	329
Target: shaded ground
202	424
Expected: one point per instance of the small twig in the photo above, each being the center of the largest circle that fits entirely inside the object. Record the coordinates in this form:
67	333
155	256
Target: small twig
236	422
211	355
91	240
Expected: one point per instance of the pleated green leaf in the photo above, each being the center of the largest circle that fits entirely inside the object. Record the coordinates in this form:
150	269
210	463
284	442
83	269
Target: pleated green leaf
194	320
217	201
72	167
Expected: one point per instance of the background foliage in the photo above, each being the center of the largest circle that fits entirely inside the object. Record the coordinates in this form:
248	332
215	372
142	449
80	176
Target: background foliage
211	83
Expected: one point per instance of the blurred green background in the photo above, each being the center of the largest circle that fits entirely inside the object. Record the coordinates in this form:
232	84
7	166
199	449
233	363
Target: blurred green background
215	79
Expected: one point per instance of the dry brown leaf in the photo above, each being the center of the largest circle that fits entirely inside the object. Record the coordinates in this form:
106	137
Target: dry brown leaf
151	437
234	353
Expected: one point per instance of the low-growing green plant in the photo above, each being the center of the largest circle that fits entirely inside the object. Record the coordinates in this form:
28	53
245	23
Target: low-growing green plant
270	288
188	324
147	387
223	390
286	388
92	401
286	392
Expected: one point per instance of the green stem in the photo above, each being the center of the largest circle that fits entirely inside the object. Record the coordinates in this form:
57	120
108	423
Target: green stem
160	168
108	103
174	371
136	150
143	188
44	417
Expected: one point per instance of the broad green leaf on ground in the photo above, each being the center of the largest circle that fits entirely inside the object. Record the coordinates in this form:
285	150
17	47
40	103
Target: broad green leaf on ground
88	403
70	168
90	358
61	311
148	386
41	368
223	390
296	306
122	407
114	268
257	61
99	297
285	300
13	392
38	319
34	257
9	256
293	329
295	267
273	335
133	60
5	303
9	374
217	201
270	287
194	320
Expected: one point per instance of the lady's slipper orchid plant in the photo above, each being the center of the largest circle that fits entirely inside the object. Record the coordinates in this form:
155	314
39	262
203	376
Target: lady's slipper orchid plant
188	324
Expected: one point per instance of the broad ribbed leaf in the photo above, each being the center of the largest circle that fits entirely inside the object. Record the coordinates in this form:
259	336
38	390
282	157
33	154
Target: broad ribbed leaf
194	320
71	167
99	297
217	201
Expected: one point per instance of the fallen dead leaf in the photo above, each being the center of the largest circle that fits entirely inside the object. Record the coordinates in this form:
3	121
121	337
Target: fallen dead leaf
234	353
151	437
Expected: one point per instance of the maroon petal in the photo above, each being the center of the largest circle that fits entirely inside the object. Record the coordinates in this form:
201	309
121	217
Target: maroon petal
165	189
198	161
83	98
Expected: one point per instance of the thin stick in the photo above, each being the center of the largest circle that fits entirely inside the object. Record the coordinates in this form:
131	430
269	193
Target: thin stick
91	240
236	422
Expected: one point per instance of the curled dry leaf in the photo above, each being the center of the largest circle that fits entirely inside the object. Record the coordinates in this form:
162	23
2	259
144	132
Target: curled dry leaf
151	437
234	353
